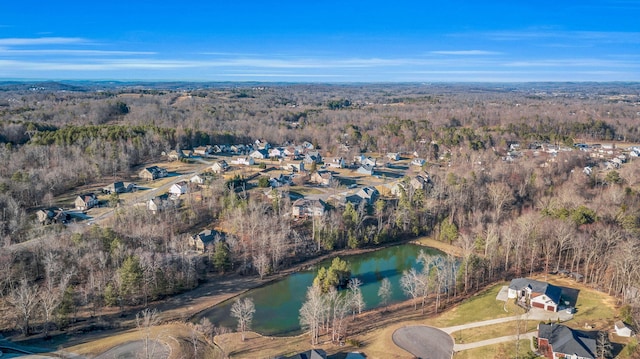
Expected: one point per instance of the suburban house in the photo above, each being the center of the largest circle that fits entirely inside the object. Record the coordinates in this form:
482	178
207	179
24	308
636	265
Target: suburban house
52	215
176	155
219	166
203	151
153	172
394	156
622	330
245	161
294	166
178	189
312	156
276	152
118	187
291	152
309	354
238	148
418	162
220	148
419	182
86	201
308	208
535	294
559	341
367	194
259	154
158	203
201	240
335	162
368	170
321	177
197	179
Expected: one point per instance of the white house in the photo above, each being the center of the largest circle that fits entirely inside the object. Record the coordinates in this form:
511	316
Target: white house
179	188
418	162
260	154
276	152
245	161
334	162
197	179
622	330
219	166
535	294
366	170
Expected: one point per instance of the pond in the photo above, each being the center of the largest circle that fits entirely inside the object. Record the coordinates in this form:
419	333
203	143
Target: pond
278	303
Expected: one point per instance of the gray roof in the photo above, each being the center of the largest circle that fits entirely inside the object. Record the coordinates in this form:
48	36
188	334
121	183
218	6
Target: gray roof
569	341
310	354
549	290
208	236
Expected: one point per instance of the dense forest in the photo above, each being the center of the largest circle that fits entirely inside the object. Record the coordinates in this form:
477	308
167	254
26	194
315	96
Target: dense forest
509	218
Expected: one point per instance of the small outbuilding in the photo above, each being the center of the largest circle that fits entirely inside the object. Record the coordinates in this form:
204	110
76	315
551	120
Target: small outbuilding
623	330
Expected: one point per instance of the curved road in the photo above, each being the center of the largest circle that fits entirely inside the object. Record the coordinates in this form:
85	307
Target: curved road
424	342
135	349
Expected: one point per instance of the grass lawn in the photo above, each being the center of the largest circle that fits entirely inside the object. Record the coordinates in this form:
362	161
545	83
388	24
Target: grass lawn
177	336
482	306
305	191
594	308
493	331
503	350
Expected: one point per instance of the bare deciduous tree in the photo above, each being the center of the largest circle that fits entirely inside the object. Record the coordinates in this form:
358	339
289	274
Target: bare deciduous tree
312	313
24	300
243	310
146	320
385	292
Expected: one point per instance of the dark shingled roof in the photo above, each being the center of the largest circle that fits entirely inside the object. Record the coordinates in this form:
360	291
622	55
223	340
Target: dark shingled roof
569	341
310	354
549	290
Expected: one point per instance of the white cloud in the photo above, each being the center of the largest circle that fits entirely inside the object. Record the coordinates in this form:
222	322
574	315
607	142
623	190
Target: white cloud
466	52
19	41
6	51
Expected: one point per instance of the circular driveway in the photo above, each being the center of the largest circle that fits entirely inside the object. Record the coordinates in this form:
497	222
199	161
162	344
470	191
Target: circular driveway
136	349
424	342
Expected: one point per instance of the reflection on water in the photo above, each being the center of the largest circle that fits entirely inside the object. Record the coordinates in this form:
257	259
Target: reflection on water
278	303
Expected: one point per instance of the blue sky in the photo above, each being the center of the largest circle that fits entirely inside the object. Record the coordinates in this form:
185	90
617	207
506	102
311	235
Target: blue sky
321	40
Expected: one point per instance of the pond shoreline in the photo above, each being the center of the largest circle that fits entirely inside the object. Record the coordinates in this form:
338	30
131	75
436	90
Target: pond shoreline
287	289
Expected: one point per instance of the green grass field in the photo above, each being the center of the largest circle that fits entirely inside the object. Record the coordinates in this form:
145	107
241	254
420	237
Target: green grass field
482	306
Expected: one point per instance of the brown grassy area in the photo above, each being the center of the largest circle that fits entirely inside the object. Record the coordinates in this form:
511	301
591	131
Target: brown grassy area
441	246
178	336
503	350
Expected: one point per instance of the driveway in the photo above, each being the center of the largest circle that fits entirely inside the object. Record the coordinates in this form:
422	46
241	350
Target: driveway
428	342
136	349
424	342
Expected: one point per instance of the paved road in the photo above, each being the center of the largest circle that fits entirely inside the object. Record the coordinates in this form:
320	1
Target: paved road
424	342
417	339
136	349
